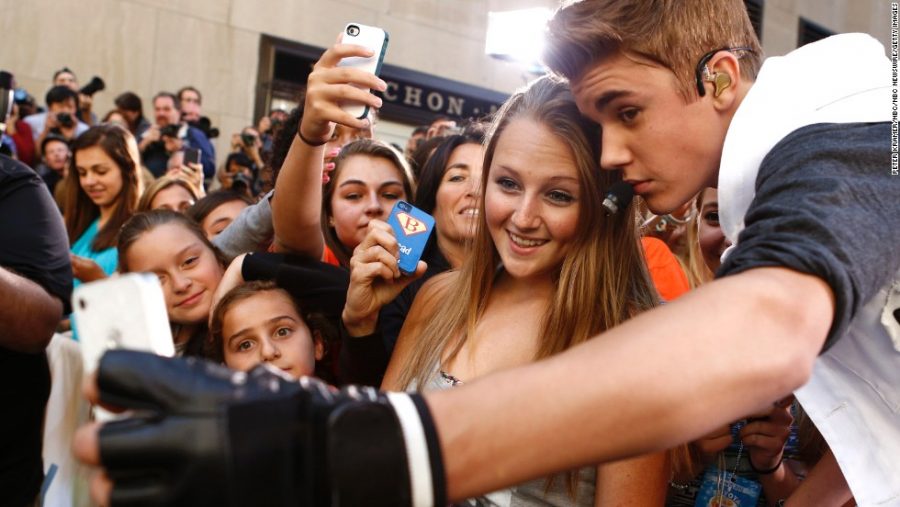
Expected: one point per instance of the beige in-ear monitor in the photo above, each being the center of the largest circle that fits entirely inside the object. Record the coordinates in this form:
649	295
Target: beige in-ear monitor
720	80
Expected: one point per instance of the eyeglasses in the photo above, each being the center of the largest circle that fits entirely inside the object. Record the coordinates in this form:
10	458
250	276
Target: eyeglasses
701	65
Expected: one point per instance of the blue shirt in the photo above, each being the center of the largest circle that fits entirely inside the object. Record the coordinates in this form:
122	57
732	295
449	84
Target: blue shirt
108	259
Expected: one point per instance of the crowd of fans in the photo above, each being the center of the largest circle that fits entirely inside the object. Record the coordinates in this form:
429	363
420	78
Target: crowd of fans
283	255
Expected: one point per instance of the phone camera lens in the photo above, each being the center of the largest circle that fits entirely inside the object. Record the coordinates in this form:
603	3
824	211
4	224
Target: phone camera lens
353	30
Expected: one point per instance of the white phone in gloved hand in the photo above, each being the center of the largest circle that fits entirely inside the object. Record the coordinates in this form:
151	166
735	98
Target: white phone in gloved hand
122	312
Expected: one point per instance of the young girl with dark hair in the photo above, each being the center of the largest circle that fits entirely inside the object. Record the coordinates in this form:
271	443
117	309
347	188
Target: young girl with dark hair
259	322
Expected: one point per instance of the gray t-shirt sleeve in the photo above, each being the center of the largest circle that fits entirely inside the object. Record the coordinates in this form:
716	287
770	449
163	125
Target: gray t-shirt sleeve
248	230
826	205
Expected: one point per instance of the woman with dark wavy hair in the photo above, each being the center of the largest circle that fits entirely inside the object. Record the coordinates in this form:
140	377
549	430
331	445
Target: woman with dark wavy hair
102	191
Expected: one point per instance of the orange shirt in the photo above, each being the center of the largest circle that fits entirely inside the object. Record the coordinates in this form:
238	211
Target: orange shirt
328	257
666	272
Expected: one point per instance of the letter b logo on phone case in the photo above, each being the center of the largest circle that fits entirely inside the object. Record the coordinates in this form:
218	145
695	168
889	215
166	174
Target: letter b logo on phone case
412	228
410	225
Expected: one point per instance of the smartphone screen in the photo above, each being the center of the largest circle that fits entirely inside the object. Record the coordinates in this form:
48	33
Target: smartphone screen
412	227
373	38
191	156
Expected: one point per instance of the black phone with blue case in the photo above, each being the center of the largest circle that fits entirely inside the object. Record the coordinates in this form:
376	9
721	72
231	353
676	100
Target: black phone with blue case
412	227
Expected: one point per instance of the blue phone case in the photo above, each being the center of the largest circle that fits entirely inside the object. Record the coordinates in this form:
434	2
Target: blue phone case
412	227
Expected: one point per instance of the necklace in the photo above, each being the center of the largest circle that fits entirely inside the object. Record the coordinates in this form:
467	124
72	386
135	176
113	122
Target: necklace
722	478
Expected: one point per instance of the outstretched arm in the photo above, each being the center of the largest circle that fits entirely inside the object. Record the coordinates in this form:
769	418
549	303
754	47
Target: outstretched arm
731	348
297	204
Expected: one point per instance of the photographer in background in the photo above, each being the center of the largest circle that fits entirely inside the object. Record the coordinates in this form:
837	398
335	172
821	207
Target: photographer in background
60	118
66	77
268	127
239	175
86	99
190	100
131	107
166	113
17	139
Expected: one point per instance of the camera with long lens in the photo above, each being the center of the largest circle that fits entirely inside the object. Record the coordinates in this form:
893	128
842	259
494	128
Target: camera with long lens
65	120
170	131
240	182
93	87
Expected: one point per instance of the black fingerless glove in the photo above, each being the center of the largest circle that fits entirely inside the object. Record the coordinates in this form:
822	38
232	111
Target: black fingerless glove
202	434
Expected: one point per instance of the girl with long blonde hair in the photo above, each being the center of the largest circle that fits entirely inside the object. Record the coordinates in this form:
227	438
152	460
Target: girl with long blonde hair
547	270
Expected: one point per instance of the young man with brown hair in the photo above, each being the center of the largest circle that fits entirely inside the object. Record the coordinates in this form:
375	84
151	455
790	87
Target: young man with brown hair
799	150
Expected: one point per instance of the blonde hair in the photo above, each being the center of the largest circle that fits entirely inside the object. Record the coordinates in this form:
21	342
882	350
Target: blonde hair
161	184
604	273
673	34
601	282
695	266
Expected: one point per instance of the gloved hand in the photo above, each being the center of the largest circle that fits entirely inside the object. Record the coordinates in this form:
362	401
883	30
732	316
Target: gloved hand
202	434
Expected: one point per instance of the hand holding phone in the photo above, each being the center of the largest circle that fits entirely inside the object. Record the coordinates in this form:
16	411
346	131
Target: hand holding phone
374	39
191	156
412	227
123	312
335	83
375	278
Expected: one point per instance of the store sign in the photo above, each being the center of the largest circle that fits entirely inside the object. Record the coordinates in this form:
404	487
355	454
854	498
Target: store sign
412	97
437	102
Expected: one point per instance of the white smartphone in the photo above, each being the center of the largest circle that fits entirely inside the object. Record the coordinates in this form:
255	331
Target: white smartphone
373	38
122	312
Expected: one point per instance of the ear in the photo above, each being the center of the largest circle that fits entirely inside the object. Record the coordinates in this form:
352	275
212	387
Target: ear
319	345
723	80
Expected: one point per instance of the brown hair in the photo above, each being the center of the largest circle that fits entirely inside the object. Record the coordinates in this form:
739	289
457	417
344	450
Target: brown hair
80	212
673	34
601	282
142	223
161	184
316	322
370	148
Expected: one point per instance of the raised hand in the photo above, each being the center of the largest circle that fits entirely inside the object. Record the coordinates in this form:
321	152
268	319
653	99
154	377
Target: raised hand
375	278
329	85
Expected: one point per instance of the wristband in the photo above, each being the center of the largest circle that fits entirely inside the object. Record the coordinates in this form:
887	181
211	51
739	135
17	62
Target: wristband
306	141
766	471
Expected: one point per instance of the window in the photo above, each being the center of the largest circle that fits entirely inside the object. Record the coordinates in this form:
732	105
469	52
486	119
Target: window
755	11
807	32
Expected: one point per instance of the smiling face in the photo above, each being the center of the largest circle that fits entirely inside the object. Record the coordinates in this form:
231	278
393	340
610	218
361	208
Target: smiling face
531	199
456	201
266	328
366	188
187	269
99	176
174	197
666	148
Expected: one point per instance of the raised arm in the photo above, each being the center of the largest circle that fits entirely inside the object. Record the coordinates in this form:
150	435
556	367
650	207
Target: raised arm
297	204
731	348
